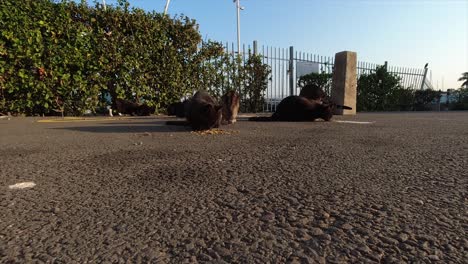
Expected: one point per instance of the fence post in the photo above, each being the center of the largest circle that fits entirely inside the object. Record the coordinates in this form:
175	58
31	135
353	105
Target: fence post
255	48
424	77
291	70
344	86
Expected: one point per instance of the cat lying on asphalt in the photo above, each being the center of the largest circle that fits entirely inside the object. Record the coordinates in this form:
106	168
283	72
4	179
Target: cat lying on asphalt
202	112
230	108
130	108
298	108
178	109
230	102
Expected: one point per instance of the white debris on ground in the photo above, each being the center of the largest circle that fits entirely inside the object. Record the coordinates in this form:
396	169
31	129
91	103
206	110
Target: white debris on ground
22	185
7	116
354	122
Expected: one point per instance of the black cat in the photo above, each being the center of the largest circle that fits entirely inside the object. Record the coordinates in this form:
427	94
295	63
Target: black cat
313	92
298	108
230	102
202	112
130	108
178	109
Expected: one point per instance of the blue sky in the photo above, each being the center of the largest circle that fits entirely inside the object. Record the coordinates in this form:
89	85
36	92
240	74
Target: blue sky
405	33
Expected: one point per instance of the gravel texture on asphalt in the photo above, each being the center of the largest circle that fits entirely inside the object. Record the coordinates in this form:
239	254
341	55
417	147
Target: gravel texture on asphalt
135	190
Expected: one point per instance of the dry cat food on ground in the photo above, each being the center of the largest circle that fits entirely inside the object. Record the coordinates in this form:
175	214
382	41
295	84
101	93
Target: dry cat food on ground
215	131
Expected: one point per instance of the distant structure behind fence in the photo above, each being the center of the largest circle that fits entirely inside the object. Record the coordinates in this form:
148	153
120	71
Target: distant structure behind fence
287	65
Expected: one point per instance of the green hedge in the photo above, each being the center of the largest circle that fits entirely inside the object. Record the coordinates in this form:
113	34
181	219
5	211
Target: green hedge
322	80
382	91
459	99
67	56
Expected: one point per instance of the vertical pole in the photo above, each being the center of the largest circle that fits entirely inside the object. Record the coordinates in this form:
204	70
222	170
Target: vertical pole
438	104
283	70
104	4
291	70
424	78
265	93
238	7
241	87
255	48
448	97
344	86
167	6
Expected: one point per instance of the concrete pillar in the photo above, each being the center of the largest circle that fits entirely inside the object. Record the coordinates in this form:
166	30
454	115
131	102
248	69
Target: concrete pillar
344	86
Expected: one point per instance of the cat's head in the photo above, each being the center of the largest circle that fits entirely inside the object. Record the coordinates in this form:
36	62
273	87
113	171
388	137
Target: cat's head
326	110
209	117
313	92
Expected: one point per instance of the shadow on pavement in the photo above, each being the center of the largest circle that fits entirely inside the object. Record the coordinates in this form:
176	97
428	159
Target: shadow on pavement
130	127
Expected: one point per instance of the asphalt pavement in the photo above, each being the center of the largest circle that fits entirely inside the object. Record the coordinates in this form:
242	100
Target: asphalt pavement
370	188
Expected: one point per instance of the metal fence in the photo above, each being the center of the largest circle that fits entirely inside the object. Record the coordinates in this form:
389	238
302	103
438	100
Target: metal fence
284	70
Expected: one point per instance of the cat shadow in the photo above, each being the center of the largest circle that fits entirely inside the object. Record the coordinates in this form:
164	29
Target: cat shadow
130	127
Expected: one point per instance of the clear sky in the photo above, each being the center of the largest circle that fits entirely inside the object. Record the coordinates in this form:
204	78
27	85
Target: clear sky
405	33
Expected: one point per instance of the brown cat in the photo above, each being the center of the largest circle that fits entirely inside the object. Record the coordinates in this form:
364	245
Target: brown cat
299	108
203	112
231	103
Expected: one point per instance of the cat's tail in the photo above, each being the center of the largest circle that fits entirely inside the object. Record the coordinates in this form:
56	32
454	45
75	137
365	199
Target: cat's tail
177	123
343	107
261	118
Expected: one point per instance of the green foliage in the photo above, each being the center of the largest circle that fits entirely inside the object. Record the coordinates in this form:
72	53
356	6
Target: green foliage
461	99
464	79
322	80
379	91
401	99
221	72
67	57
208	67
423	98
256	82
227	71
